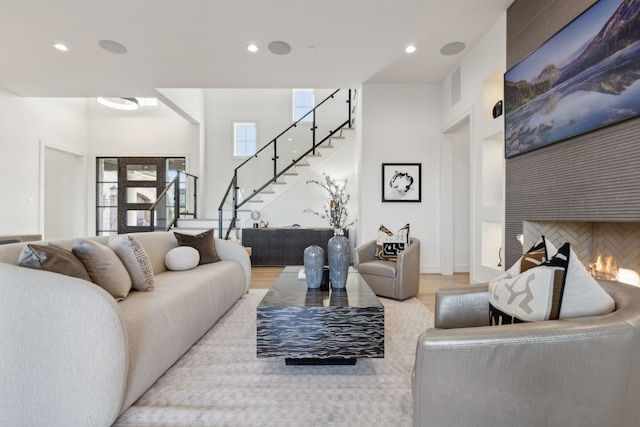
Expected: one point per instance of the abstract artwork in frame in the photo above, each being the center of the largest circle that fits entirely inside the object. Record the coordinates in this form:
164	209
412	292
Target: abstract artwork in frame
583	78
401	182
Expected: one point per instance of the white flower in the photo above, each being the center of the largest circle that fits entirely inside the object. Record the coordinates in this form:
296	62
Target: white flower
335	211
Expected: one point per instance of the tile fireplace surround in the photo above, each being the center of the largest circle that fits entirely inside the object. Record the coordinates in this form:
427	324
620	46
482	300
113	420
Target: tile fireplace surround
621	240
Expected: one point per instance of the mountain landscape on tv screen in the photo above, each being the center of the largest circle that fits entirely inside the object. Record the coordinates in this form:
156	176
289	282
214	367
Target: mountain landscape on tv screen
594	86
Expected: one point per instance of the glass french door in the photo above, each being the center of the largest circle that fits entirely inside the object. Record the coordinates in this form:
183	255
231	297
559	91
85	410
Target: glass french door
127	187
140	181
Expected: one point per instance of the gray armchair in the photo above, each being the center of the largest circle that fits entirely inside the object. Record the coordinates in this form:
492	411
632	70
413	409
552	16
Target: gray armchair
398	279
572	372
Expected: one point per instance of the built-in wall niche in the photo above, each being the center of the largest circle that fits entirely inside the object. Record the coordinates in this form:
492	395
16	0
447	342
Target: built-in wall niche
493	170
491	251
492	92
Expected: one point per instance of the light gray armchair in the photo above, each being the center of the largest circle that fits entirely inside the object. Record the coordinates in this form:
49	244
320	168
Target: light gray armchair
398	279
572	372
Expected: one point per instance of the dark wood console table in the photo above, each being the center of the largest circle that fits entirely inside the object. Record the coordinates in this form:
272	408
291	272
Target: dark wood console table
283	246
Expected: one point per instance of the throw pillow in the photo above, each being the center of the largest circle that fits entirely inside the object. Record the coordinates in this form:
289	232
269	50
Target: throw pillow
535	294
203	242
53	258
182	258
540	252
389	245
135	260
559	288
104	267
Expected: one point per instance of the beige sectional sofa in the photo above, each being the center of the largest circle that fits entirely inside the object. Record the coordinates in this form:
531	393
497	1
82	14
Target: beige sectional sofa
73	356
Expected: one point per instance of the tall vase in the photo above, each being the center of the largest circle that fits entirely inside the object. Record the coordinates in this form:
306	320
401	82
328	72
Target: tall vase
313	264
339	254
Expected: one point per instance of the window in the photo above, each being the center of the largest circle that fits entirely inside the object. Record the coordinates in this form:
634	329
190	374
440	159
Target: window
303	102
244	144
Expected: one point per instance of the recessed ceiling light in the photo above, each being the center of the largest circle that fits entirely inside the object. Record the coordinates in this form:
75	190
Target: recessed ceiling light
252	48
452	48
279	48
113	47
61	47
410	49
128	104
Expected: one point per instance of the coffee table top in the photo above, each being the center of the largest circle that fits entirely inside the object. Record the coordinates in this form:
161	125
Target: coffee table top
289	291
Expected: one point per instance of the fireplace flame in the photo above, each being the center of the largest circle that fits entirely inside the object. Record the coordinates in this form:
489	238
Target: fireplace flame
604	268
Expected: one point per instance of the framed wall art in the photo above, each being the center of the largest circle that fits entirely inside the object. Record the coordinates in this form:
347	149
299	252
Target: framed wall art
583	78
402	182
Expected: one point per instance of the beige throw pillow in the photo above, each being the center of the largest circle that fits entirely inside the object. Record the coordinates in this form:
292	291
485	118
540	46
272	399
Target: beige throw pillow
135	260
104	267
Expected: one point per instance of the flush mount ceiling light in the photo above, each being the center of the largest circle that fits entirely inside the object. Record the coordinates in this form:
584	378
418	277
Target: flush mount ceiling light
279	47
113	47
452	48
410	49
61	47
252	48
128	104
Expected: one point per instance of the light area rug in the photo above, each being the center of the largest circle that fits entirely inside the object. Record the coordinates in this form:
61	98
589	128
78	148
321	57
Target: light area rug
221	382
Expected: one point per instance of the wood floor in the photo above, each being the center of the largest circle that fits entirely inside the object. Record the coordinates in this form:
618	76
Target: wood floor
263	278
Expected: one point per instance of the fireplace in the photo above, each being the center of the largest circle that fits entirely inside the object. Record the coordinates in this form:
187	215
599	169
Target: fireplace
610	249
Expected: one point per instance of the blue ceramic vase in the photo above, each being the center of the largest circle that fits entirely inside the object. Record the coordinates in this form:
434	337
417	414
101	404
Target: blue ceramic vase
339	254
313	264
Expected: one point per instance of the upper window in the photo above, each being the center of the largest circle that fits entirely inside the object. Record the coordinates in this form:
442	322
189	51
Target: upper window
303	102
245	141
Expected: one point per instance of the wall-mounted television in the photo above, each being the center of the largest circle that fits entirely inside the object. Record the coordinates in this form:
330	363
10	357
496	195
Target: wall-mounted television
583	78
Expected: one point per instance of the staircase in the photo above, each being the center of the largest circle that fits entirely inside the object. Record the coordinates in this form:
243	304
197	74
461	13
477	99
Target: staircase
262	178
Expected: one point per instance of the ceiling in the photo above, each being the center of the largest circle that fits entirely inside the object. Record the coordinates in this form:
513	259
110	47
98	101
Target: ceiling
202	43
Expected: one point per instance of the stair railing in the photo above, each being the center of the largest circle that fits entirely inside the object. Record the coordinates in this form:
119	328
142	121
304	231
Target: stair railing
283	152
163	213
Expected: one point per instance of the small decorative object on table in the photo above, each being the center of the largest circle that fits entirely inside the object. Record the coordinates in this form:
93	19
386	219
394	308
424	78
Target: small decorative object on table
313	265
338	247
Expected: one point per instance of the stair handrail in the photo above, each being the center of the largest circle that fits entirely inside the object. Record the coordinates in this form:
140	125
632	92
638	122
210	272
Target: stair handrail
232	189
176	201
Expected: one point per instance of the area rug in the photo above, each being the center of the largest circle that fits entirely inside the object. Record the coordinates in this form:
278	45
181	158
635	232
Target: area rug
221	382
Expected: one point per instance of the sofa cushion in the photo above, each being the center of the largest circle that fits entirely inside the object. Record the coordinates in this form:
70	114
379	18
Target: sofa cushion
558	288
203	242
53	258
135	260
182	258
389	245
104	267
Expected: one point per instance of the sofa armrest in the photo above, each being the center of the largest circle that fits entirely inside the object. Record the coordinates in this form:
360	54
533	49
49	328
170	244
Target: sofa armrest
363	253
230	250
462	307
64	350
561	372
408	269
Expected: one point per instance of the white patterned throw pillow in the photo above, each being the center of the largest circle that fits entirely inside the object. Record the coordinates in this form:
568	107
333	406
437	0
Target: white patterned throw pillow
389	245
135	260
557	288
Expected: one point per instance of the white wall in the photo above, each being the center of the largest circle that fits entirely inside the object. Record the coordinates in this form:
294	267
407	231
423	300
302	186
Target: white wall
148	132
271	109
24	123
400	124
480	72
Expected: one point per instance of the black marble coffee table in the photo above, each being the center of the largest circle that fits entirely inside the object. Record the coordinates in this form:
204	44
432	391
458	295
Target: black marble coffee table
308	326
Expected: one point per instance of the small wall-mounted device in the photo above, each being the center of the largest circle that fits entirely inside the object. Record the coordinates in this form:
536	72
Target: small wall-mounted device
497	109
